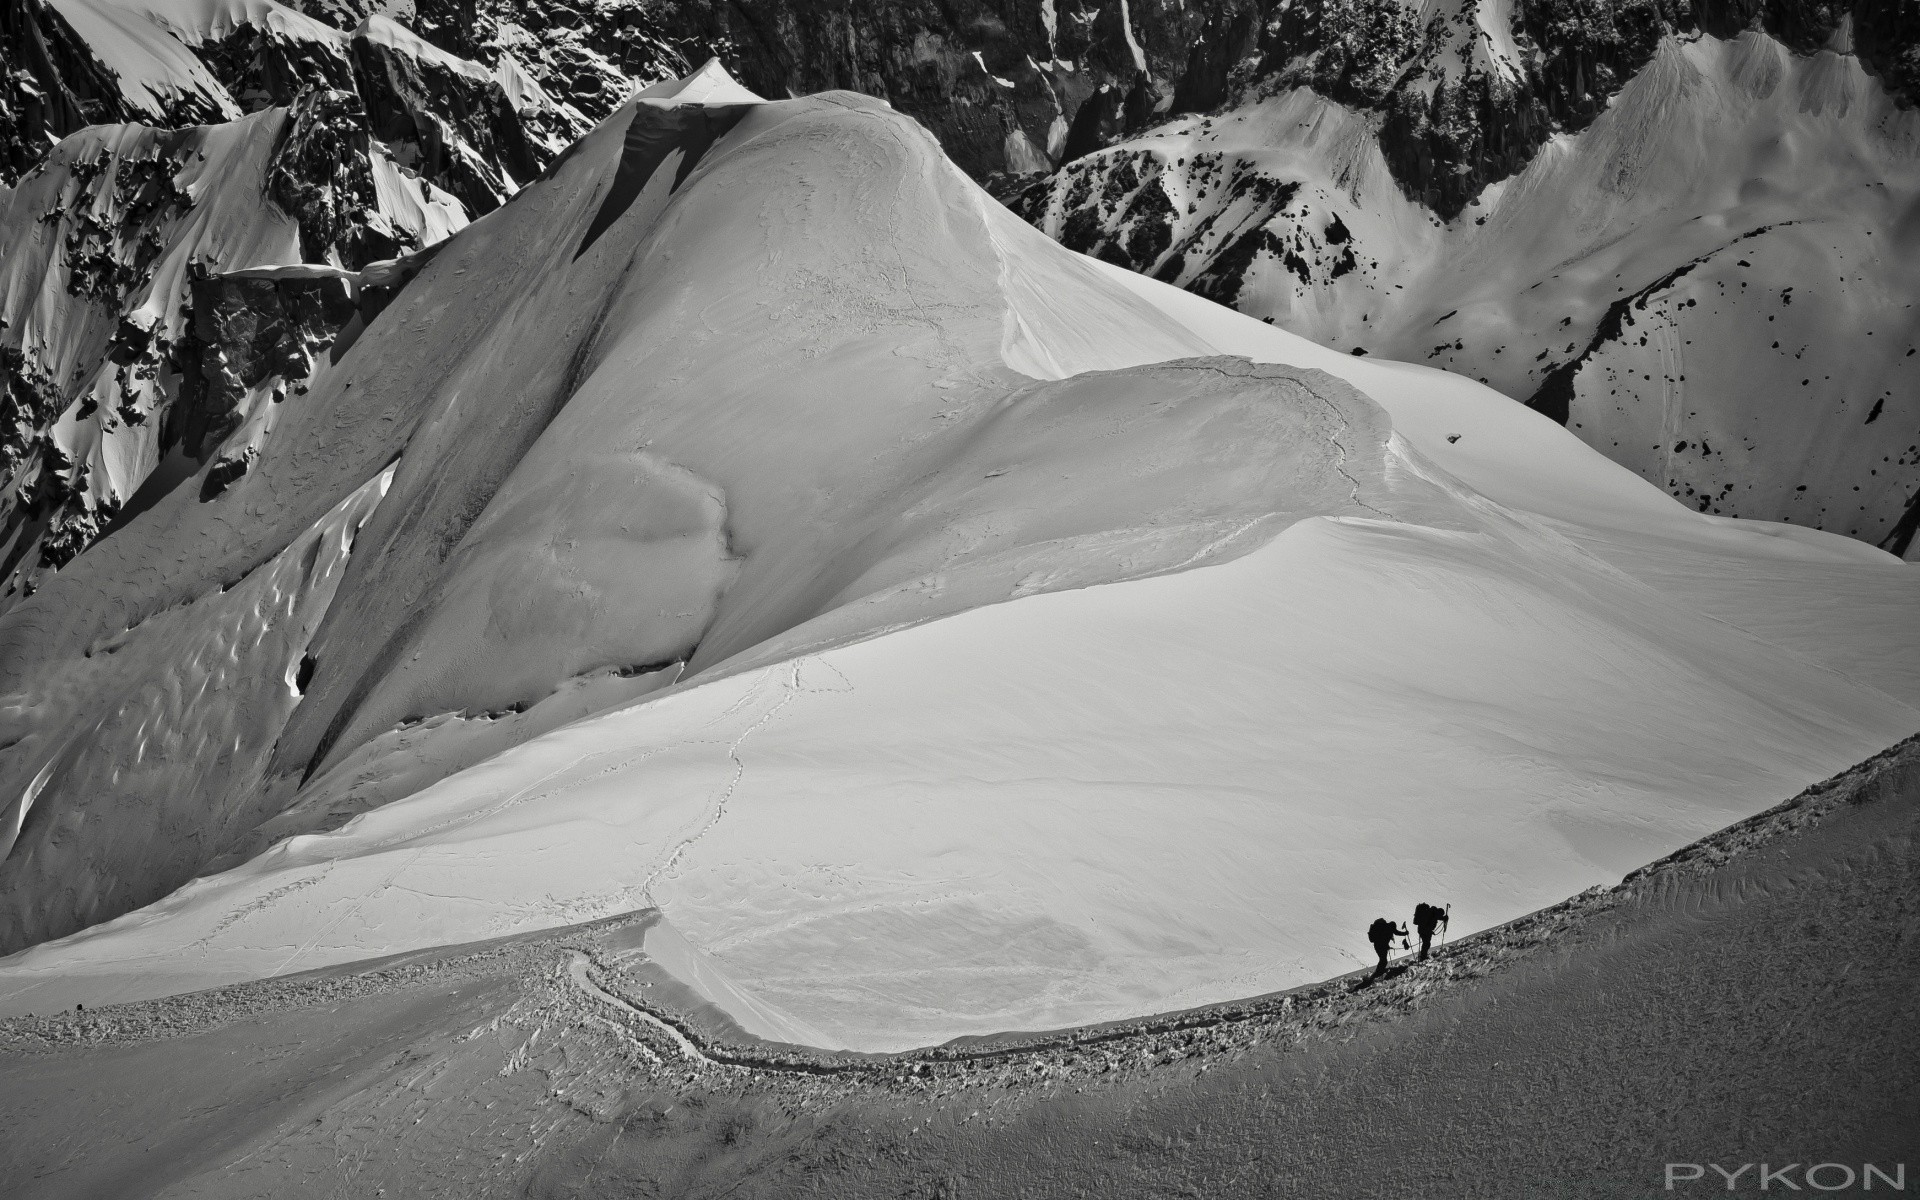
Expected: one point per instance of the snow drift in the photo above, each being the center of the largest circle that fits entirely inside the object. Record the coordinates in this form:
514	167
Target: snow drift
948	633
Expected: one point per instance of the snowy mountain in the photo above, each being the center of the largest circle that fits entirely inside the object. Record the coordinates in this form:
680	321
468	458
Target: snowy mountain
752	519
1688	235
1605	211
170	274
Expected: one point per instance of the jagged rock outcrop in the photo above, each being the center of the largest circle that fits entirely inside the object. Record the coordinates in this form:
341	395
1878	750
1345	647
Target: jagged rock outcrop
322	176
587	55
1001	84
51	84
271	58
454	119
252	329
1462	95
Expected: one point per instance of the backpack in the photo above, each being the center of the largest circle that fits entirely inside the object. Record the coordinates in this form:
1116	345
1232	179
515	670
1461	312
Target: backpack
1380	932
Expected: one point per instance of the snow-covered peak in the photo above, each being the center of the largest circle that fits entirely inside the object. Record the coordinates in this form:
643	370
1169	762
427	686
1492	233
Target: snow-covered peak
710	84
750	519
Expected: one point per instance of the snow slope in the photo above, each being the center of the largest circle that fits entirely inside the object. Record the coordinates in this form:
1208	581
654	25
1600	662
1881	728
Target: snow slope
1714	283
987	642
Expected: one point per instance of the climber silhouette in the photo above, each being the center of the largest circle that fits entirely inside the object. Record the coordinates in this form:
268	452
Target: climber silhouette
1427	918
1381	933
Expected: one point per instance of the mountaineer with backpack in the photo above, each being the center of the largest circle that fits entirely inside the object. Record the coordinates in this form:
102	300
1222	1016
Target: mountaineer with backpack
1427	918
1381	933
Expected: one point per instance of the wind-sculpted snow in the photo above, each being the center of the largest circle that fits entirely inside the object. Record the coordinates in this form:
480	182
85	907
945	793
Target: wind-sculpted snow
161	728
946	631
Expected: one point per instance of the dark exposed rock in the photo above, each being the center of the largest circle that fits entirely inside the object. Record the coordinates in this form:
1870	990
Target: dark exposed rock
1101	119
321	176
1116	208
1009	92
260	68
588	56
1231	37
107	261
378	92
920	56
458	123
247	330
1886	36
50	84
1447	127
184	356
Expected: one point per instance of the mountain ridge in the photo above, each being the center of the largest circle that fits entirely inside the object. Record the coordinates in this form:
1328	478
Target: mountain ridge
607	565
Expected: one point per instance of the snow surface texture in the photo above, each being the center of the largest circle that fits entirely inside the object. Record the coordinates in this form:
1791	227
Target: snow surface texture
1713	284
1011	646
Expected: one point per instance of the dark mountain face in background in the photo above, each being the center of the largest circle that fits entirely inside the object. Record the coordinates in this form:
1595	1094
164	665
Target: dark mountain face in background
1017	86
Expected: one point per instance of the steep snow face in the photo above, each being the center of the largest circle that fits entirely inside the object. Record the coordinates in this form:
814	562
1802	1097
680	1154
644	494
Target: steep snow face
139	330
1714	283
983	636
156	74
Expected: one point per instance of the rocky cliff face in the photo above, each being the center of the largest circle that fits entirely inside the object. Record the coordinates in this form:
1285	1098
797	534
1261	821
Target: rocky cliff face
1461	95
1008	86
49	84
